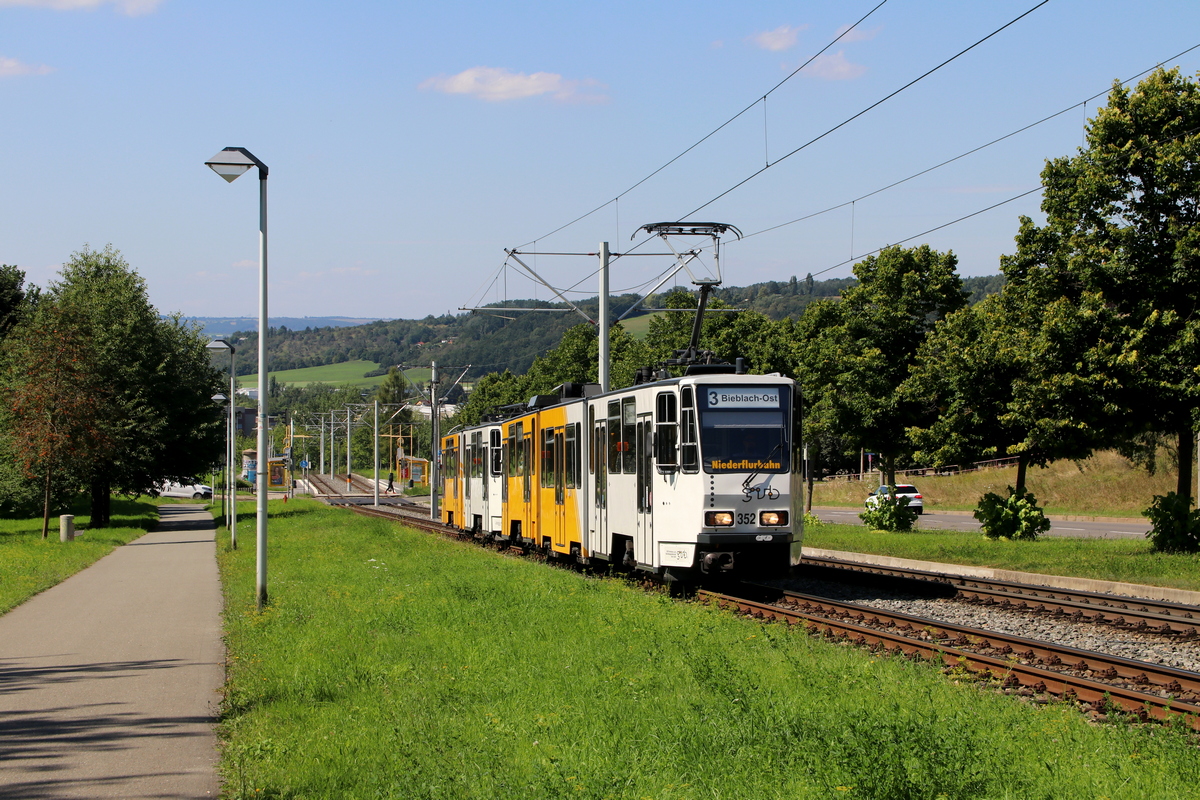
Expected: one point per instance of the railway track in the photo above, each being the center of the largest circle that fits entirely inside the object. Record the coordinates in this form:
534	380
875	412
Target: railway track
1129	613
1098	679
1025	665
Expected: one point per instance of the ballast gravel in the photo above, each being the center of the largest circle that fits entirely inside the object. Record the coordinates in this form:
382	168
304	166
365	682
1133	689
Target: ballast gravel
1156	649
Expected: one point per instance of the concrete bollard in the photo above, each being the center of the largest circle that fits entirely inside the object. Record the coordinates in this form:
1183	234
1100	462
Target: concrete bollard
66	528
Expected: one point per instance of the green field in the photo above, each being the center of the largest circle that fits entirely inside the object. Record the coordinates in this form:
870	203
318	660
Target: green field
396	664
348	372
639	326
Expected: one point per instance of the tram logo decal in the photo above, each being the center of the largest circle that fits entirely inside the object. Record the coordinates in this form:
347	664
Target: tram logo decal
759	493
745	464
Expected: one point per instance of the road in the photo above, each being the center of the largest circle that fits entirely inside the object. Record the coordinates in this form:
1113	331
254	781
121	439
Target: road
1097	528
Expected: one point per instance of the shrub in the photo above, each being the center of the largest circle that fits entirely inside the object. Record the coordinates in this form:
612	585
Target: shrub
1018	517
891	514
1176	526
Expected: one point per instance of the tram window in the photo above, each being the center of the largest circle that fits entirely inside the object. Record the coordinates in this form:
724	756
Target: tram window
516	464
591	450
689	451
547	454
497	455
601	475
571	455
628	426
666	432
614	436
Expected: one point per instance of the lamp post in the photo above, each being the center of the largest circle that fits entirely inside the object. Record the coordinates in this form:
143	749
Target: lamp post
229	164
230	440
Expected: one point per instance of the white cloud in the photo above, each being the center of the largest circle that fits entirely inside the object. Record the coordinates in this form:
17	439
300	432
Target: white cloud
10	68
834	67
496	84
779	39
132	8
856	35
245	263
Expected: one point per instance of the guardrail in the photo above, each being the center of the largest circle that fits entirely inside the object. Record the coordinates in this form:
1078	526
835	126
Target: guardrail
921	472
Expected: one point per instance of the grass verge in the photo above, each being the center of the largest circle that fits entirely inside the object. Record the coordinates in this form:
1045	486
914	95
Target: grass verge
1127	560
30	564
394	664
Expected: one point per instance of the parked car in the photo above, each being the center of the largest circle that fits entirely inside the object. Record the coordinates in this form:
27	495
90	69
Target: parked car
196	491
899	490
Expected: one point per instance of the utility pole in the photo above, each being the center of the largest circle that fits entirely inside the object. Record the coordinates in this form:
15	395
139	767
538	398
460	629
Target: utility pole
602	317
434	462
348	449
377	454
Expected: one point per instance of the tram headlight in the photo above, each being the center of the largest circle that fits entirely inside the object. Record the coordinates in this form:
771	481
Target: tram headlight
718	519
773	519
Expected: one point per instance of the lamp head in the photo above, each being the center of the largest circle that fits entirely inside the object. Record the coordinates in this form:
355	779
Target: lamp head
233	161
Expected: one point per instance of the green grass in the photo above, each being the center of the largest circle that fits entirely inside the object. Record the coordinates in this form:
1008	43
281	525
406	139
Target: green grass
394	664
1125	560
347	372
29	564
1105	485
638	327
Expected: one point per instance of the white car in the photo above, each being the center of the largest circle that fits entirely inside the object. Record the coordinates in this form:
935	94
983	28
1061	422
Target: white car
196	491
901	490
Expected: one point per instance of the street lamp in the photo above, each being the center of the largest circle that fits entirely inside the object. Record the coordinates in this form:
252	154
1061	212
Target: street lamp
230	442
229	164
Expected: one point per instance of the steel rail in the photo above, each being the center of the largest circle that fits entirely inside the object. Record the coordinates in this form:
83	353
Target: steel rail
936	640
1156	616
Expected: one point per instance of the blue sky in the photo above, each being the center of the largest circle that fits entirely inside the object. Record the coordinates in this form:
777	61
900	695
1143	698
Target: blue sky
410	143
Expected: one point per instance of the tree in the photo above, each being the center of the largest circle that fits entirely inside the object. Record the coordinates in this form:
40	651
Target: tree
1013	376
12	297
1122	226
157	413
53	415
853	356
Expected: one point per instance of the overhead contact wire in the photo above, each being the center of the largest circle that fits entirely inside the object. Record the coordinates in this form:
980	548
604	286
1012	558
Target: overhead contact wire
874	105
719	128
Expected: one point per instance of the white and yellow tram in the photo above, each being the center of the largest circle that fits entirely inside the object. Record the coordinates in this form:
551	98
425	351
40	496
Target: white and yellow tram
688	477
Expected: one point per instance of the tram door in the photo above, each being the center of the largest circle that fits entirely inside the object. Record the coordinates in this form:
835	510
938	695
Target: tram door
560	477
598	466
529	530
643	452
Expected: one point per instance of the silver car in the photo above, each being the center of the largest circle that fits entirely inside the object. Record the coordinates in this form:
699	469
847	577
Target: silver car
899	490
196	491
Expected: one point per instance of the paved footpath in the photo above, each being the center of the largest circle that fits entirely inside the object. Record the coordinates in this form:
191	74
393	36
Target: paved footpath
109	681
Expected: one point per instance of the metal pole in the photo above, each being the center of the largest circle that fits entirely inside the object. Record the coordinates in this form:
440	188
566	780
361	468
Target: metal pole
435	470
291	451
347	449
263	454
322	470
231	447
602	322
377	453
332	450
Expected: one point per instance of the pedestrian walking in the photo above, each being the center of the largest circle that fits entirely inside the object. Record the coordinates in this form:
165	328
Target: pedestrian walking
391	478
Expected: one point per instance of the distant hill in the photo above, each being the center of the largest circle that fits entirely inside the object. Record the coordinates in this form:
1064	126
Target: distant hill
225	326
497	338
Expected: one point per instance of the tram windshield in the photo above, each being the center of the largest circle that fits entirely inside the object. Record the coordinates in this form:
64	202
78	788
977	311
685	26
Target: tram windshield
745	429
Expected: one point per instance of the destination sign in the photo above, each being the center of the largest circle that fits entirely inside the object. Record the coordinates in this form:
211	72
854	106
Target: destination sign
743	398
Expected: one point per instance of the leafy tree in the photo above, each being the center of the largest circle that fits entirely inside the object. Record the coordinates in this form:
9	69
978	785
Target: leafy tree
12	297
157	413
55	400
1122	226
1015	375
854	355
